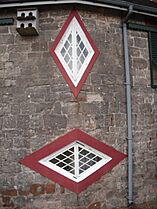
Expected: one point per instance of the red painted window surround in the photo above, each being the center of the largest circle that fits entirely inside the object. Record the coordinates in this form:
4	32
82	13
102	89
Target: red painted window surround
32	160
74	89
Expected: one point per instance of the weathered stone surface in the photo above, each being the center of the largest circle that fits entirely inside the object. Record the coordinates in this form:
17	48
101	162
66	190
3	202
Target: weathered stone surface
23	122
37	106
52	121
1	120
95	205
9	122
4	29
2	49
7	39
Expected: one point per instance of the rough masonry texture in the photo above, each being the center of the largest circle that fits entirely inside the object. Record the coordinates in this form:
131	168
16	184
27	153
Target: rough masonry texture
37	106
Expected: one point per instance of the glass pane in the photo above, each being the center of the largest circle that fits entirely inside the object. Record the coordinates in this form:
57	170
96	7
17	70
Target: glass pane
78	39
67	160
70	51
72	164
84	167
68	168
72	149
61	164
84	159
67	58
67	153
66	45
60	157
78	65
78	52
84	152
70	38
82	59
72	171
63	52
80	163
54	161
85	52
70	65
90	155
91	163
80	171
81	45
97	159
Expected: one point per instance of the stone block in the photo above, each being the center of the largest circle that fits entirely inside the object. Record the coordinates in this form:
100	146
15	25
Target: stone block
140	63
20	202
75	121
90	123
24	191
7	202
89	108
18	48
120	120
36	122
9	122
4	29
70	200
94	98
49	188
4	57
20	142
39	46
15	109
38	93
96	205
24	179
27	108
1	121
140	42
3	48
6	39
23	122
71	108
9	192
52	121
37	189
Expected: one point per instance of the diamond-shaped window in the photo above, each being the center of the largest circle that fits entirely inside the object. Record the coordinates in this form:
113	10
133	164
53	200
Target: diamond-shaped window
74	160
74	52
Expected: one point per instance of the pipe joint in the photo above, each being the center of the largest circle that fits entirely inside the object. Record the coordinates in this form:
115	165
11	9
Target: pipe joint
130	11
129	139
128	84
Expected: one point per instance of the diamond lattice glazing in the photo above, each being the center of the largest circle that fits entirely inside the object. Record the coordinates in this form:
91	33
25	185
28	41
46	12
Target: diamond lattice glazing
77	161
74	52
74	160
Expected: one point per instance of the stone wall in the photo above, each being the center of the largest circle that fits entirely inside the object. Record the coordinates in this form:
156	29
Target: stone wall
144	119
37	106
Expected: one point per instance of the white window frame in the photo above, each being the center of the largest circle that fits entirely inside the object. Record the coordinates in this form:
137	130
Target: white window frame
77	177
74	27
